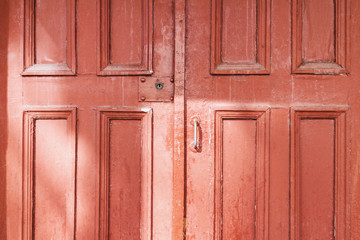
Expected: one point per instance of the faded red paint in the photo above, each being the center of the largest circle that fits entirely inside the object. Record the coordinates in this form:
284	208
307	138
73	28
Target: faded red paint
298	67
49	55
271	83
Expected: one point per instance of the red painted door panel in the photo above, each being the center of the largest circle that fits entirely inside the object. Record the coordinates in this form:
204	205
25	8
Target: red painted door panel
97	107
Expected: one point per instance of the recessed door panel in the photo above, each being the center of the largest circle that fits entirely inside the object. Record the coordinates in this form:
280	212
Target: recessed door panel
125	37
124	179
320	36
240	41
317	179
49	38
241	174
49	174
319	166
125	174
238	179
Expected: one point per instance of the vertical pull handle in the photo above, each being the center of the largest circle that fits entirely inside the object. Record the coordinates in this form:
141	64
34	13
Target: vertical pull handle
195	146
195	134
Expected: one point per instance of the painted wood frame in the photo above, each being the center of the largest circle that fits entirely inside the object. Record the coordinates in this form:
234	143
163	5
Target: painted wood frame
340	116
105	116
262	64
30	116
104	65
262	118
341	64
31	68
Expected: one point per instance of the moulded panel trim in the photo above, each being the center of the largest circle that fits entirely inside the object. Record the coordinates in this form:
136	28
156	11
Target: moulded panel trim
341	165
104	66
262	118
341	65
31	68
105	116
262	64
30	116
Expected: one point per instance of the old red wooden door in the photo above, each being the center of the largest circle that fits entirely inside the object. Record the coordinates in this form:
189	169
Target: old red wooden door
274	89
96	97
87	119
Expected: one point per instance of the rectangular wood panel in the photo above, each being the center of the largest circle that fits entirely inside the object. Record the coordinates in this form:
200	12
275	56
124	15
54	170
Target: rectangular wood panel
241	174
125	174
124	179
320	36
319	174
49	38
240	37
125	37
238	179
49	177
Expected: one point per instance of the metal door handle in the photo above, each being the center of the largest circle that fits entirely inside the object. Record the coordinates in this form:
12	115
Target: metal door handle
195	133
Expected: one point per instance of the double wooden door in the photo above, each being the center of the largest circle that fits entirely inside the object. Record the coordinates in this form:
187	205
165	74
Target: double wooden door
159	119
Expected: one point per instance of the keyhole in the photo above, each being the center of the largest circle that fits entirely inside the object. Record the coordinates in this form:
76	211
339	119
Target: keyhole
159	86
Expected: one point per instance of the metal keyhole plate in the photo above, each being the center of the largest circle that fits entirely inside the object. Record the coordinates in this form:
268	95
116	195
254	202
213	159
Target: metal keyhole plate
159	86
156	89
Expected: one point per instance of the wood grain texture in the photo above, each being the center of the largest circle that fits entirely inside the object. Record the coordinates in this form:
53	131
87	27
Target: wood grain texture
241	181
319	178
110	196
49	38
321	37
49	173
240	37
179	139
125	38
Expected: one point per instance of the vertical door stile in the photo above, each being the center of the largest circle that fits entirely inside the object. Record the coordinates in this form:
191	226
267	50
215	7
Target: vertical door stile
179	124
